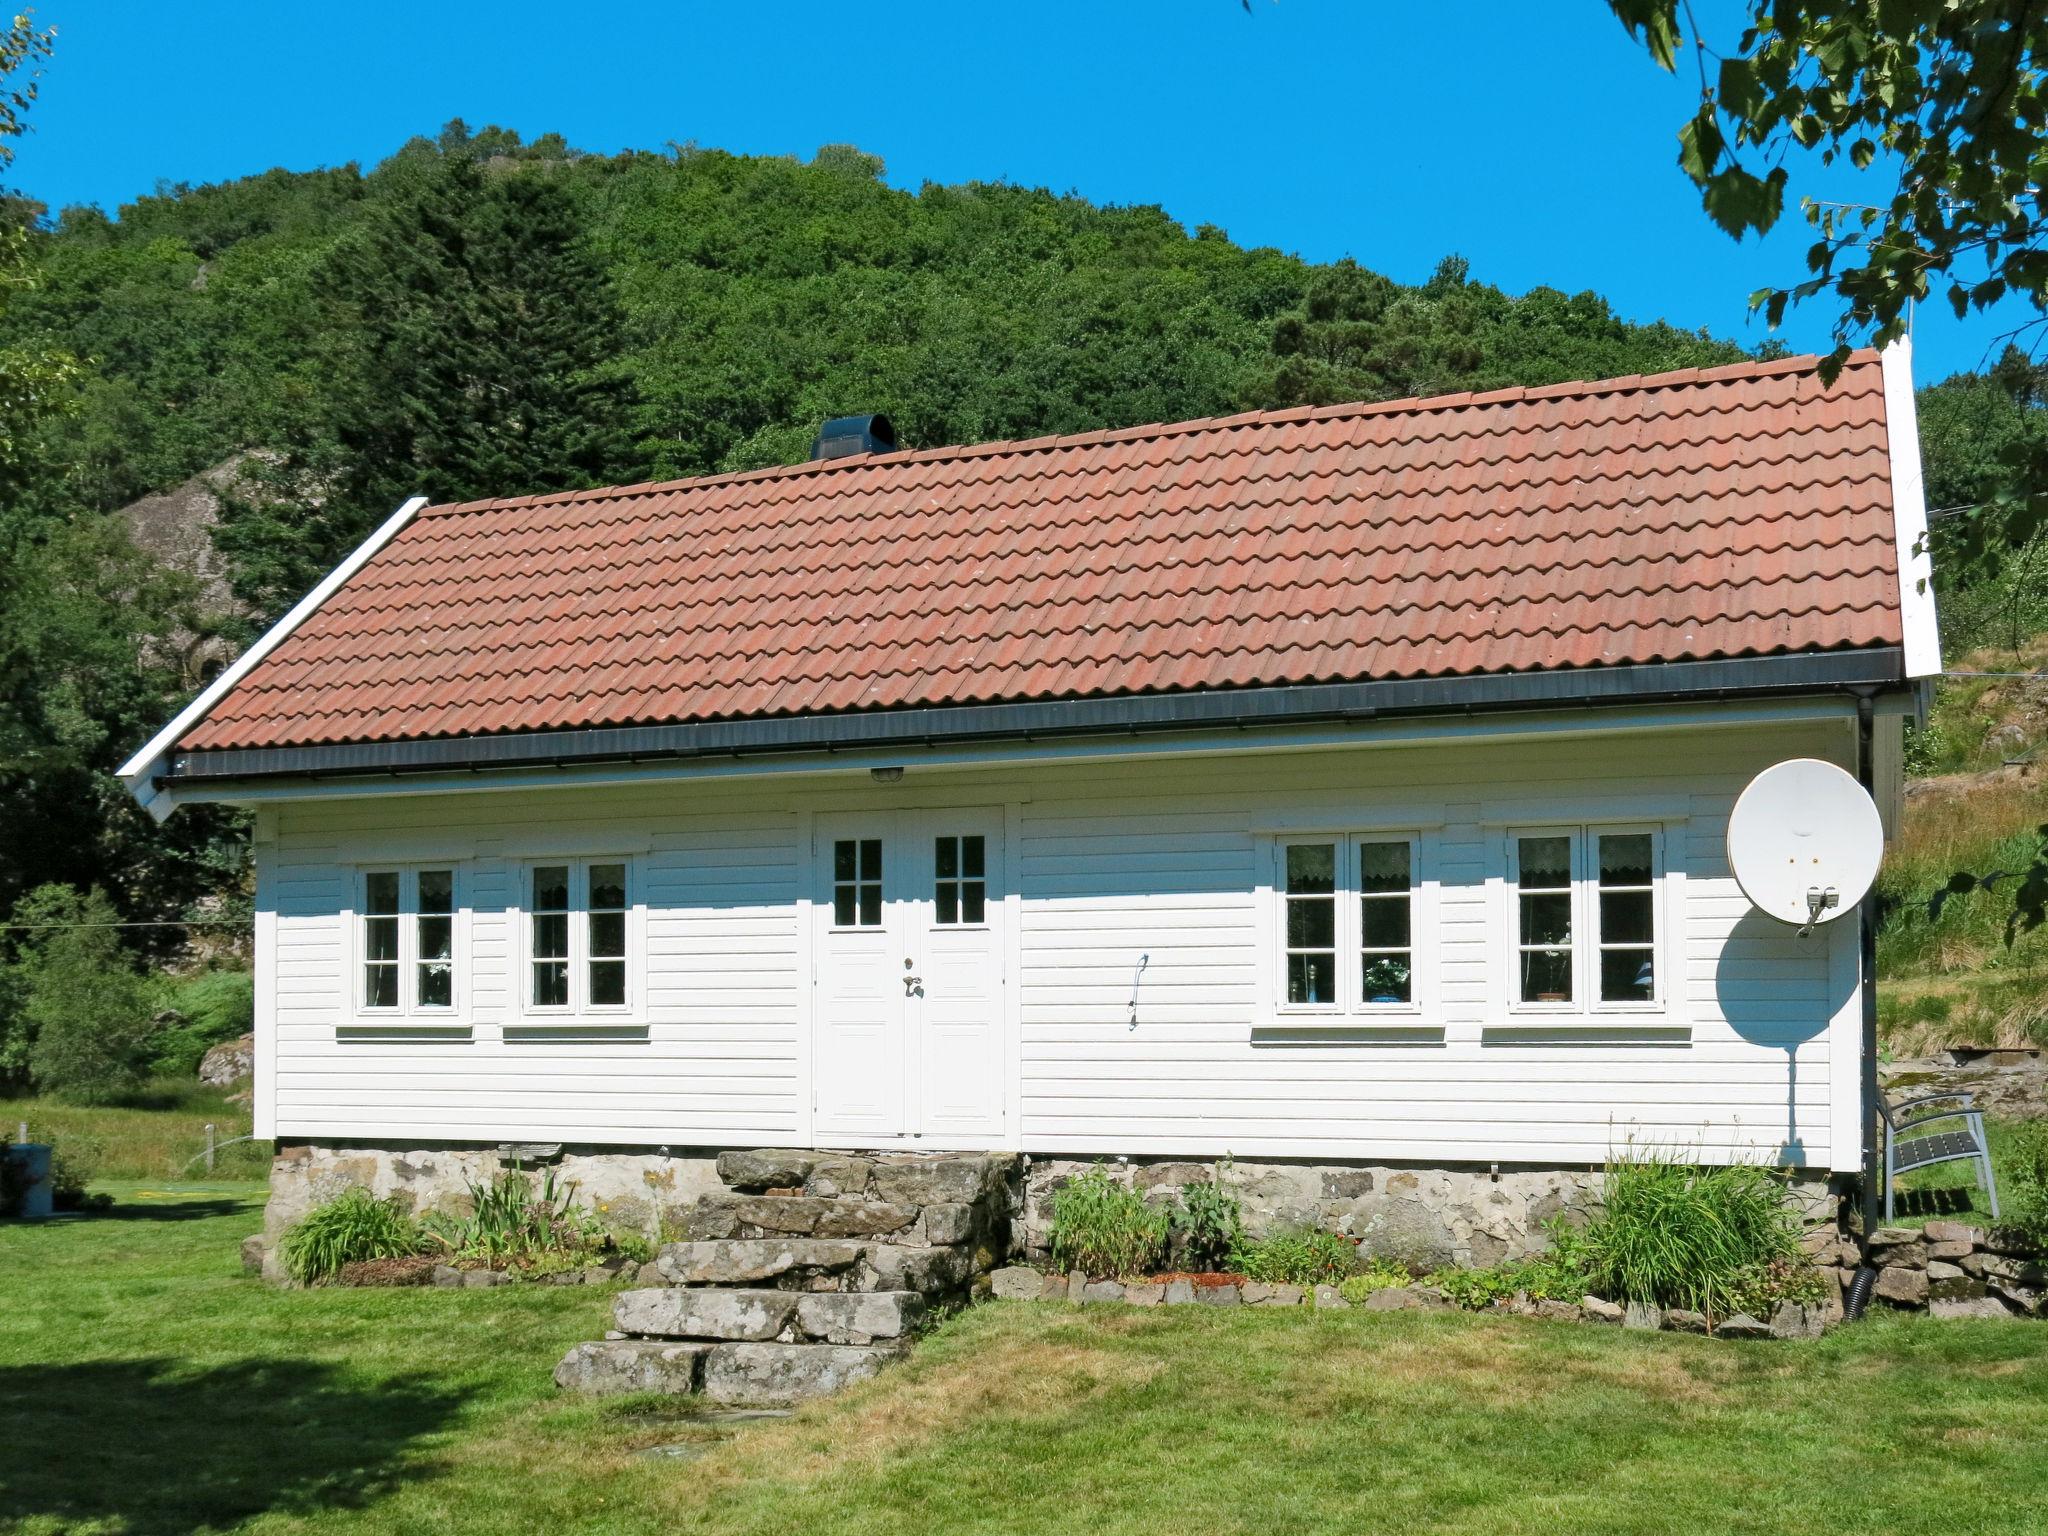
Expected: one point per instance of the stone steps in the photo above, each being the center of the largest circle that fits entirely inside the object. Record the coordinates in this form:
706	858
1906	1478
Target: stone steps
810	1271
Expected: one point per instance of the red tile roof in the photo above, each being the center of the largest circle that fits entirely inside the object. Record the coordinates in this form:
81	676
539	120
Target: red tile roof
1733	512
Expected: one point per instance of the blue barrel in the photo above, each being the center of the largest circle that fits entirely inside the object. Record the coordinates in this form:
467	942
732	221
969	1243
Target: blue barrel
32	1159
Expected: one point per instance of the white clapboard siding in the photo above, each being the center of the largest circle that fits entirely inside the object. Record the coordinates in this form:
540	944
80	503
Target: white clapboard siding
1165	857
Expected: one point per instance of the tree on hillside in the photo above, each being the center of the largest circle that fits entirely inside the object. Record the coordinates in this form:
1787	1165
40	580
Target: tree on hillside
473	351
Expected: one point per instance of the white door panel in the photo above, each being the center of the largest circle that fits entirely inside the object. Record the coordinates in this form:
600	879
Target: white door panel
909	983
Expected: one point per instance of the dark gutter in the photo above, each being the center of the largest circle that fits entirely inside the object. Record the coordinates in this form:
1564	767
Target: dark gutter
1242	709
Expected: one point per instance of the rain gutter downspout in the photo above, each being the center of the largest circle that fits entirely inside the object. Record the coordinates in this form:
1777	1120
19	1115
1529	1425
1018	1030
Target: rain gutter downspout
1866	973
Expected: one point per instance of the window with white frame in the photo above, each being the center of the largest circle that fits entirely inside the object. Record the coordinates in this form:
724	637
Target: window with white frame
1586	918
406	940
1347	924
578	936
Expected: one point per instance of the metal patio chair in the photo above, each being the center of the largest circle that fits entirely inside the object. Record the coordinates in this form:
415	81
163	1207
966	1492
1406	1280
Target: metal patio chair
1909	1144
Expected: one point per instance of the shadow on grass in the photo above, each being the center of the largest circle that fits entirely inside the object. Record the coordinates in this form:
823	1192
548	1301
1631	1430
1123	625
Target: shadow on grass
152	1448
184	1208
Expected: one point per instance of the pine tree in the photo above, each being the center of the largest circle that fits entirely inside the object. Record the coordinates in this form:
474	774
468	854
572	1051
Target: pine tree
474	352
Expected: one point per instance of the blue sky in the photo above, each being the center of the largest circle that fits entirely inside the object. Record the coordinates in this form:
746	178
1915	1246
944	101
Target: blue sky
1542	150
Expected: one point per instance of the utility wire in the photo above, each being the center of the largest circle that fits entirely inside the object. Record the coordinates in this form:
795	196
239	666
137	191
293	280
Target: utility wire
170	922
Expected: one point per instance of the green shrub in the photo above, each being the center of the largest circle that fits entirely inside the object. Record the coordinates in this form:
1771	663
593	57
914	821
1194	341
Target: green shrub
1308	1256
1682	1235
2026	1184
211	1007
1209	1224
1376	1275
521	1220
1562	1272
348	1229
88	1013
1102	1228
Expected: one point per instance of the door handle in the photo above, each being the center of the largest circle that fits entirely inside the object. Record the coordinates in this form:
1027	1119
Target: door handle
911	984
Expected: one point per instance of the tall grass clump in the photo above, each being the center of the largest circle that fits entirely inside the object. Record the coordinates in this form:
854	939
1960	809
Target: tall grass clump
2026	1184
352	1227
1102	1228
1683	1235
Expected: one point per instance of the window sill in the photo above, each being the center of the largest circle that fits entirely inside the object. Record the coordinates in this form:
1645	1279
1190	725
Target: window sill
1347	1029
374	1028
1588	1029
572	1027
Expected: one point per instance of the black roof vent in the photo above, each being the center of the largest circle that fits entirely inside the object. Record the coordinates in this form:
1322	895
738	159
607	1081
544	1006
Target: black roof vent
844	435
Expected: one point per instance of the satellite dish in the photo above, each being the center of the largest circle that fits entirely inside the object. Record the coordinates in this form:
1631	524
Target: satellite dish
1804	841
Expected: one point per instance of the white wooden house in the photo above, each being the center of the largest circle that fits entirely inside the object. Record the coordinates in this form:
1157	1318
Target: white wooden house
1344	784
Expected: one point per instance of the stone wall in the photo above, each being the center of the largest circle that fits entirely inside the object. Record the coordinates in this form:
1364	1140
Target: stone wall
1428	1218
648	1193
1955	1270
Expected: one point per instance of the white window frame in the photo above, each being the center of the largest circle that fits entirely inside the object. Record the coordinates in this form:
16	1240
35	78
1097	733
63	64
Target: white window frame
408	1005
1422	939
579	1004
1585	908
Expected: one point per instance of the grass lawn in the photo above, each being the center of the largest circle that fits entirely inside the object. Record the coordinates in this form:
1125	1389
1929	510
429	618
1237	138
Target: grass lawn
147	1387
154	1136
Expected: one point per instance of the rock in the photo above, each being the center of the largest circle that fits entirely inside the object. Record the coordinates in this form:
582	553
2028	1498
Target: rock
770	1169
2021	1298
1392	1298
1793	1321
1401	1227
483	1279
649	1274
1941	1269
839	1177
1218	1295
948	1223
776	1375
1681	1320
1434	1299
1253	1293
1953	1232
1976	1307
1016	1283
1102	1290
252	1254
1552	1310
1899	1247
1643	1314
680	1312
447	1276
1054	1288
1077	1285
933	1181
1274	1296
632	1365
1180	1293
1600	1310
932	1271
229	1062
748	1261
1901	1286
564	1277
2012	1271
1328	1298
1145	1294
1949	1252
864	1318
1955	1287
1743	1326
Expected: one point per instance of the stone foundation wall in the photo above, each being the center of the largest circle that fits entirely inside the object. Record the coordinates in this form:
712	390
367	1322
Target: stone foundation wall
648	1193
1429	1218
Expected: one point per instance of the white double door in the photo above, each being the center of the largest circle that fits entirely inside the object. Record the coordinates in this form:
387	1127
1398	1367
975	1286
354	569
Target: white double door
907	1013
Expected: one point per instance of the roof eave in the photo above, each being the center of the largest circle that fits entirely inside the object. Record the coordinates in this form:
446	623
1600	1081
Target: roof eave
207	774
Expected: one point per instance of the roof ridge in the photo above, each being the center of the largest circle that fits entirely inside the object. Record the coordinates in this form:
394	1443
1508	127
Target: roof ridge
1575	389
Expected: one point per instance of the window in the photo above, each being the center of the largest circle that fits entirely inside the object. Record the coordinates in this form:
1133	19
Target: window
857	882
408	940
960	884
1586	918
1348	924
578	936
